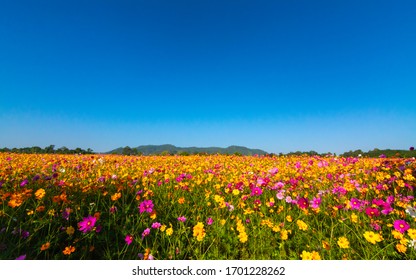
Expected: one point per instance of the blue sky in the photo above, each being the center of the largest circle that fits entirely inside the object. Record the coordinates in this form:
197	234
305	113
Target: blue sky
329	76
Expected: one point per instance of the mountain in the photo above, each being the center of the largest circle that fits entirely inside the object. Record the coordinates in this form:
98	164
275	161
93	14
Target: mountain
171	149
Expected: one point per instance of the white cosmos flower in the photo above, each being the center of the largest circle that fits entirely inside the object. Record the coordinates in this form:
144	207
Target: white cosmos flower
411	211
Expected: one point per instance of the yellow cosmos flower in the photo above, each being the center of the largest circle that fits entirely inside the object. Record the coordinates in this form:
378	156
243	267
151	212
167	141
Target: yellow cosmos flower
372	237
325	245
397	234
70	230
169	231
412	233
310	255
116	196
401	248
302	225
343	243
69	250
45	246
40	193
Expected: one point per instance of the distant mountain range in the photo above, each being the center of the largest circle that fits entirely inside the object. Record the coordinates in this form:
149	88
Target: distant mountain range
171	149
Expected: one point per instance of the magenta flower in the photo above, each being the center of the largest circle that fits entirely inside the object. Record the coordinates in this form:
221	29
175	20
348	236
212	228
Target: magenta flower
372	212
128	239
256	191
303	203
375	226
355	203
24	183
156	225
22	257
210	221
401	225
87	224
181	219
316	201
145	233
146	206
113	209
387	209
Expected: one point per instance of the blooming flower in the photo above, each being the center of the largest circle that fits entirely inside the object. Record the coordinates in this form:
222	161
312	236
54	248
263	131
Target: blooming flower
181	219
156	225
199	231
256	191
372	212
316	201
70	230
146	232
310	255
129	239
355	203
146	206
169	231
411	211
210	221
22	257
372	237
303	203
87	224
401	226
40	193
68	250
302	225
343	243
401	248
45	246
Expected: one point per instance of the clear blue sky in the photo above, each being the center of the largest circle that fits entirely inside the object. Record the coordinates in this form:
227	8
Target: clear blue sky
329	76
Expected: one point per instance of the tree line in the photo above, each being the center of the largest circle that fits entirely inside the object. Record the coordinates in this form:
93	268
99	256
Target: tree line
47	150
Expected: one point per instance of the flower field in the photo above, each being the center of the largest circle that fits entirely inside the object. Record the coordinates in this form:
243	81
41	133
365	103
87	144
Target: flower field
206	207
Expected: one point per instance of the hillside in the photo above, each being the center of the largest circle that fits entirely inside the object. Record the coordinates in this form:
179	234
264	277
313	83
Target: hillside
171	149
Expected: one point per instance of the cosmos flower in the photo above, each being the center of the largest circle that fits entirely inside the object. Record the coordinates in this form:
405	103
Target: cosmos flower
303	203
87	224
401	226
129	239
181	219
343	243
146	206
372	212
145	233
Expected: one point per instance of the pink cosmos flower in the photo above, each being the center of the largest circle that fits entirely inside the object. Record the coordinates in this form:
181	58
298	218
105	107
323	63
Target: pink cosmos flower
256	191
401	226
288	199
280	195
355	203
22	257
24	183
181	219
87	224
146	232
210	221
156	225
316	201
372	212
128	239
273	171
146	206
303	203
